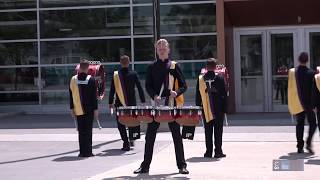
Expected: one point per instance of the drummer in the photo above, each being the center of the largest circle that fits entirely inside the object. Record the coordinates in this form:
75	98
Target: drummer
212	96
123	85
161	74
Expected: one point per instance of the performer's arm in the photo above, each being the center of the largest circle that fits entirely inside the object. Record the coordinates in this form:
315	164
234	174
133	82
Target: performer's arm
181	81
71	99
94	93
224	96
198	95
112	92
315	95
149	80
140	90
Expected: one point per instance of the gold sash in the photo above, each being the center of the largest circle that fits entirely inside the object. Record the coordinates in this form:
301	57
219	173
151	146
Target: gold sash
205	99
174	84
317	79
77	106
119	88
294	104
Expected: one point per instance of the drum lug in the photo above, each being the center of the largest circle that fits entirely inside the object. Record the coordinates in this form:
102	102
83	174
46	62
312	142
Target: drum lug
174	112
136	112
190	113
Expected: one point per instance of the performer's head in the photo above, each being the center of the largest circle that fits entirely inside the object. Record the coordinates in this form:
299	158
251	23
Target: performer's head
211	64
84	66
303	58
163	49
124	61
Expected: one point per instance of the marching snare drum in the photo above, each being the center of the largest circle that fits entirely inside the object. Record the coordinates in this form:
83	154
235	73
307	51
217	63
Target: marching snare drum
188	115
144	113
128	116
164	114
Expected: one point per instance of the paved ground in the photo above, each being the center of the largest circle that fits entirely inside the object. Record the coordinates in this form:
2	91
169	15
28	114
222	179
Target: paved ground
46	147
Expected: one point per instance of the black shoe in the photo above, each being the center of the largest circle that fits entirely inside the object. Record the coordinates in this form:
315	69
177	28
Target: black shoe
300	151
220	155
207	155
141	170
132	143
183	171
310	150
126	147
86	155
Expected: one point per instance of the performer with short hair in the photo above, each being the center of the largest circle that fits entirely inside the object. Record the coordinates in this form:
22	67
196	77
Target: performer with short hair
123	85
84	106
161	74
299	100
212	96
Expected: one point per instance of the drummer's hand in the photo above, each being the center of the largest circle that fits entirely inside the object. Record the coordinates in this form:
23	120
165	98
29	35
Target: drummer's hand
96	114
157	99
173	94
315	110
73	115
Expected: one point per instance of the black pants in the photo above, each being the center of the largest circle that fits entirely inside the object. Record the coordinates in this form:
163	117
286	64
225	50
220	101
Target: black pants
85	123
300	128
318	116
150	138
217	124
134	132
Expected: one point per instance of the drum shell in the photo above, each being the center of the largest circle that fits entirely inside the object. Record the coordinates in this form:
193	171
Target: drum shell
184	118
164	115
128	118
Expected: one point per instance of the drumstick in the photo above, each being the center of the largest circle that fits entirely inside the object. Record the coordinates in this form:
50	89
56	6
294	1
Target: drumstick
75	123
98	122
292	119
226	119
111	111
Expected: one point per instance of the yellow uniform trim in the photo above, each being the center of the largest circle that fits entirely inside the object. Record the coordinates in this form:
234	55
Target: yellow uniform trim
175	84
119	88
317	79
294	104
77	106
205	99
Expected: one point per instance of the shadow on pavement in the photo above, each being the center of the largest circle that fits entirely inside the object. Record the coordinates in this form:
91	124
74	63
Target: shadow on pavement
59	154
69	158
116	152
313	161
295	156
147	176
201	159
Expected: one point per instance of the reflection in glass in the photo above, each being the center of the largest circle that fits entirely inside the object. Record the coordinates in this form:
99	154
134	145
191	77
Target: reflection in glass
55	98
64	3
19	99
56	78
18	25
195	18
282	59
161	1
143	49
18	53
252	87
64	52
85	22
142	20
315	49
18	79
17	4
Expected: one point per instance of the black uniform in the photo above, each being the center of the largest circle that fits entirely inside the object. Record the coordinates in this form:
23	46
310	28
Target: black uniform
304	78
157	74
131	80
89	104
219	96
315	100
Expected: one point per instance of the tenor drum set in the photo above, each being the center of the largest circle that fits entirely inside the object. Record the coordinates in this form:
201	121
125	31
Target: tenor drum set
134	115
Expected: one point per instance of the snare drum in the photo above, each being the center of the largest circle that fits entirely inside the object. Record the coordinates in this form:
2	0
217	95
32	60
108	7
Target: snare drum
164	114
144	113
128	116
188	115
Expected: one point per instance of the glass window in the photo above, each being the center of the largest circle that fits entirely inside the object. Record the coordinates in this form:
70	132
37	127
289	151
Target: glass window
18	25
142	20
314	49
56	78
193	18
85	22
143	49
17	4
52	98
18	53
161	1
18	79
19	99
64	3
182	48
64	52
